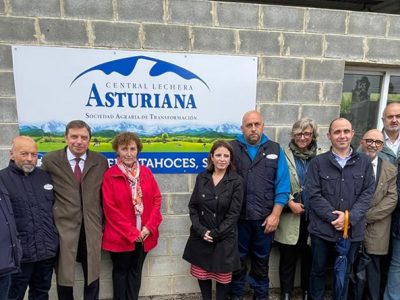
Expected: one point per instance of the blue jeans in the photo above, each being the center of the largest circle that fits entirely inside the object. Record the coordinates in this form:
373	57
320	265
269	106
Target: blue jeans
255	245
5	282
35	274
393	282
322	250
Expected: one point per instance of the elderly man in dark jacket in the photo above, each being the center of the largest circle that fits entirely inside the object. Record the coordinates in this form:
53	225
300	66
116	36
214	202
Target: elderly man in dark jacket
338	180
10	248
31	194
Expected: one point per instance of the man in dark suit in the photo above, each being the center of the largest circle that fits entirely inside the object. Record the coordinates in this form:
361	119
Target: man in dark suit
77	175
379	215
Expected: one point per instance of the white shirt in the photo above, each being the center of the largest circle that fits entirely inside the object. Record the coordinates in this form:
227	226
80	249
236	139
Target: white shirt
72	162
374	163
392	146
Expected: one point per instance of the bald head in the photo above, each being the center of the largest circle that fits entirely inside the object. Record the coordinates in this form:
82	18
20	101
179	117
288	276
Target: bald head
372	143
24	153
391	119
252	127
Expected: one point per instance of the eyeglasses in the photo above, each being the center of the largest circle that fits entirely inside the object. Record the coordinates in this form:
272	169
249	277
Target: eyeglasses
305	134
369	142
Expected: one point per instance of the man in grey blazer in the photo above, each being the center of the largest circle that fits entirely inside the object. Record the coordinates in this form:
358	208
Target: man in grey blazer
77	174
379	215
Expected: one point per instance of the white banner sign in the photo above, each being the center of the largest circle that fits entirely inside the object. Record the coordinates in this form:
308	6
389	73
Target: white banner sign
179	104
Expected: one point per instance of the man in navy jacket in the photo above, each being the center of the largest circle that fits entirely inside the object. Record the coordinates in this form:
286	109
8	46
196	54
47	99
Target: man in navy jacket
338	180
10	248
31	195
263	166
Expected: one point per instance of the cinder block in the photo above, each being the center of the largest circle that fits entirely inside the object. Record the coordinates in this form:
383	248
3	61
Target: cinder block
259	42
89	9
284	136
322	114
121	35
161	248
156	285
7	84
210	39
8	132
141	10
326	21
106	289
267	91
36	8
383	51
5	57
324	69
174	225
332	92
238	15
185	285
63	32
177	245
283	17
394	26
363	23
279	114
166	37
282	68
164	204
344	47
17	30
166	266
8	110
300	92
179	204
172	183
190	12
270	131
297	44
4	155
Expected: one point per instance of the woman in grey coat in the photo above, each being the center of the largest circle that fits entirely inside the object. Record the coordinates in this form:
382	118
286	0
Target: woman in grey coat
292	233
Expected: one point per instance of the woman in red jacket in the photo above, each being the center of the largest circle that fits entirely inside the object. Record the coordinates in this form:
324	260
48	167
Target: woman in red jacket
131	202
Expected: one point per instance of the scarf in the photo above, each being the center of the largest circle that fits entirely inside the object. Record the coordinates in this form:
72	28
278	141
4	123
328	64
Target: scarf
305	155
134	181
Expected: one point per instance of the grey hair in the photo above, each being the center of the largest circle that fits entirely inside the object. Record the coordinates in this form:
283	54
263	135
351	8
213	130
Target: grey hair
302	124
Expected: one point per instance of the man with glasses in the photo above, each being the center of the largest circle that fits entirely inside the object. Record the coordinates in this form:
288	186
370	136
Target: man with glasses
391	124
379	215
263	166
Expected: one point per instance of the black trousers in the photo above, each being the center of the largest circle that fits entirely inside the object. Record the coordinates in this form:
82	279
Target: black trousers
373	286
91	291
127	273
288	261
36	275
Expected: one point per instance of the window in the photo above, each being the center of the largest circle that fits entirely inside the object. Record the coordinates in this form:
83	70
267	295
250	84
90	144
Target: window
365	95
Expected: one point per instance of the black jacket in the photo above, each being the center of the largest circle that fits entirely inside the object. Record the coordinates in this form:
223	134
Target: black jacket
32	202
259	178
10	248
215	208
331	187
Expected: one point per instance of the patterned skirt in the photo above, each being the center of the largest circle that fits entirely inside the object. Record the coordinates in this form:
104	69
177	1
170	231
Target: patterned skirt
202	274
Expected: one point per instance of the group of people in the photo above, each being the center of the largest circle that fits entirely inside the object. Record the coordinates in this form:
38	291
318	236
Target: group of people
68	210
252	194
307	201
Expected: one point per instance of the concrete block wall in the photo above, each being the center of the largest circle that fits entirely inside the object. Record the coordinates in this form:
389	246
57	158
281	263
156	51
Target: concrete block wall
302	55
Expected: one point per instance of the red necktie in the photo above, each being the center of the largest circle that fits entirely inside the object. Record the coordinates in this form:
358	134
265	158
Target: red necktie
77	170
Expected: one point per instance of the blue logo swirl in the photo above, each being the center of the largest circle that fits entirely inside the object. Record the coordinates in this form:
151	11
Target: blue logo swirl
125	67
